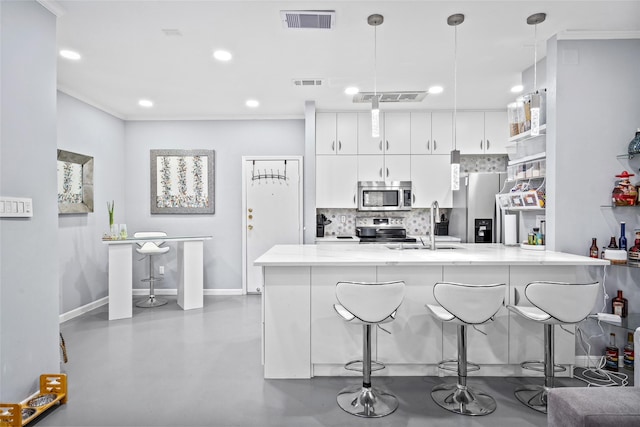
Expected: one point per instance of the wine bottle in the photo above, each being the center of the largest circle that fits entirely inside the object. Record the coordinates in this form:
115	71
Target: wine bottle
628	357
622	242
593	250
612	354
619	305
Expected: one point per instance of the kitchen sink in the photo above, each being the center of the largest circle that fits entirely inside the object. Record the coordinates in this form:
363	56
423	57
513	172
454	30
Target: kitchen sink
403	246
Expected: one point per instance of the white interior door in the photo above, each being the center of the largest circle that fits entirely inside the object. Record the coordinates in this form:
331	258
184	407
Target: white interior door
272	210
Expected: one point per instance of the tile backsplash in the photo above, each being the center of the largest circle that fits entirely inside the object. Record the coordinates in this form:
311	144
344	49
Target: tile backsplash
483	163
416	221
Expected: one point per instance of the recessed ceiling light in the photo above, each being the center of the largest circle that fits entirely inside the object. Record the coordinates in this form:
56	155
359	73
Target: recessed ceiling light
517	89
433	90
222	55
70	54
351	90
252	103
145	103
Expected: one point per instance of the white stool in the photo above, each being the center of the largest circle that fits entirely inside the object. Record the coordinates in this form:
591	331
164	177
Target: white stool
554	303
464	304
149	249
368	304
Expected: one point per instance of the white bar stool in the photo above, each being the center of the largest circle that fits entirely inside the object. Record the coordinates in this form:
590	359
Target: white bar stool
149	249
368	304
464	304
551	307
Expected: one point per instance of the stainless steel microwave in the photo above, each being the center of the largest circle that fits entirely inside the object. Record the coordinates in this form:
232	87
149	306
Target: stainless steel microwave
384	196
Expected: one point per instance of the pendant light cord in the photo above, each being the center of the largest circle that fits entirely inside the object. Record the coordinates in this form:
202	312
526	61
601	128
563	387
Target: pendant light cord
375	61
535	58
455	83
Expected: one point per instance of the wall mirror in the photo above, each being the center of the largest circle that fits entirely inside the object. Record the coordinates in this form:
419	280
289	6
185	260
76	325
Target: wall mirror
75	183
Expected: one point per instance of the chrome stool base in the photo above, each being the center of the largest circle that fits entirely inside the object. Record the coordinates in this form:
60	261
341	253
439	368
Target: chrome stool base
533	396
462	400
151	302
367	402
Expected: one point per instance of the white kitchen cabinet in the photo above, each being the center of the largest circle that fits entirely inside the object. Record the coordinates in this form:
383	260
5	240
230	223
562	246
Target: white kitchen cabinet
431	180
333	340
441	132
336	133
336	181
496	132
366	143
526	337
416	336
426	141
492	348
384	168
397	133
480	132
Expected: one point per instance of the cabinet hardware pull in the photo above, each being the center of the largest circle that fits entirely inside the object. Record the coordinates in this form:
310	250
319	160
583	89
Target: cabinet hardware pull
250	209
387	172
481	144
488	144
413	198
380	173
380	145
354	199
435	146
333	146
250	217
250	227
339	145
387	145
428	145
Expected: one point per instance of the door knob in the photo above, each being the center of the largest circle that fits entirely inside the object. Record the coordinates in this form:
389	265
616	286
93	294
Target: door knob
250	227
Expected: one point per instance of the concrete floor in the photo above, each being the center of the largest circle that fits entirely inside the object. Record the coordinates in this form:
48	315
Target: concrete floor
169	367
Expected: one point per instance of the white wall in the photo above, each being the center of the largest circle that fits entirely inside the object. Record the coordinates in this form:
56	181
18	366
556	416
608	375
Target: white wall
28	247
231	140
82	256
593	115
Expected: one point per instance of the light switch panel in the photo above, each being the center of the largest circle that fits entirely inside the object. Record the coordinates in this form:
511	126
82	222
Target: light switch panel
16	207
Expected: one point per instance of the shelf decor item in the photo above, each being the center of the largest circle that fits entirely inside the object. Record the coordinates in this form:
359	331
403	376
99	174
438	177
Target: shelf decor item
634	145
624	194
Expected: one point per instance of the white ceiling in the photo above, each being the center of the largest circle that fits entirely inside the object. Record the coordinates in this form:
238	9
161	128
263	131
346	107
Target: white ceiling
126	55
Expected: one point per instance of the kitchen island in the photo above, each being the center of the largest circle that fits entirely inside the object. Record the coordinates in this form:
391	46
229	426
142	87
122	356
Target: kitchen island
303	336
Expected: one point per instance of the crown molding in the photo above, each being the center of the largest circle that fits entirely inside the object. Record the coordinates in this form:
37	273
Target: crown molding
54	7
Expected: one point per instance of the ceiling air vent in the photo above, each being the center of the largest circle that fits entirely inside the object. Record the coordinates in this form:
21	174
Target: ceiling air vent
308	82
323	19
415	96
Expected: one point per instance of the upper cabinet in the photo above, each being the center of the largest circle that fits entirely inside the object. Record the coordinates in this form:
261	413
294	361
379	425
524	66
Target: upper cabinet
336	133
431	133
395	134
482	132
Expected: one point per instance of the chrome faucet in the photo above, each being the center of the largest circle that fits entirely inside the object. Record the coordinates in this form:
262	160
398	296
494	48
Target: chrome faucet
432	224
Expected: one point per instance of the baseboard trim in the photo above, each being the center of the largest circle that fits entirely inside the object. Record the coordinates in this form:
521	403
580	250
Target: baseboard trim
72	314
83	309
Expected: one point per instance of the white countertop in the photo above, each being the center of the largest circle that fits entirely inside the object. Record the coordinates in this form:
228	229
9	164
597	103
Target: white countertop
344	254
356	239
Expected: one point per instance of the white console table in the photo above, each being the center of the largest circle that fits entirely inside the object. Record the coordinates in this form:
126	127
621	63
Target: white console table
190	270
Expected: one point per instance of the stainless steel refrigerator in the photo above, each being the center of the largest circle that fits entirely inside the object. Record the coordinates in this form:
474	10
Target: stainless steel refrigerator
475	217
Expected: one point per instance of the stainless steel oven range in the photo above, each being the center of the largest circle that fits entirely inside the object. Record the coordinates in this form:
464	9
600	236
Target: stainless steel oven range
381	230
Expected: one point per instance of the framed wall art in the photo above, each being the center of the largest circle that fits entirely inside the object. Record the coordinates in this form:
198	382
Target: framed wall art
75	183
182	181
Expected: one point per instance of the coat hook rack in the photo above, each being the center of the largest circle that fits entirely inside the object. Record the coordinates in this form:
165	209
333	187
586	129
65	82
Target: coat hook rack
268	175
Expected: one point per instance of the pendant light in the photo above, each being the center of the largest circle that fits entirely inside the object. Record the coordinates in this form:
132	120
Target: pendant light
375	20
454	21
534	20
